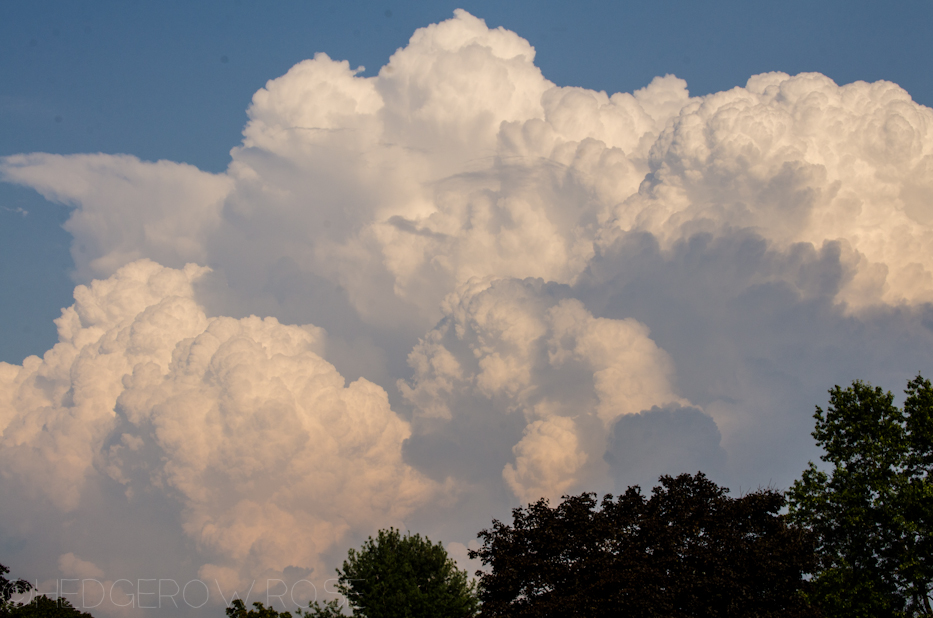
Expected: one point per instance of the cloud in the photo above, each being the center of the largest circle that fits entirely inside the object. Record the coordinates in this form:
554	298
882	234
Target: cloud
800	159
756	333
394	189
59	409
663	440
523	354
534	289
126	209
272	458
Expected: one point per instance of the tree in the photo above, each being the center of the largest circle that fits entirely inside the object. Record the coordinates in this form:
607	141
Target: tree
9	588
405	576
39	607
688	550
237	609
44	607
872	512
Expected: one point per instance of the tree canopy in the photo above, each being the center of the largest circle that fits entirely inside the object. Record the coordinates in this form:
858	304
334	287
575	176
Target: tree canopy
687	550
395	576
9	588
39	607
872	512
44	607
237	609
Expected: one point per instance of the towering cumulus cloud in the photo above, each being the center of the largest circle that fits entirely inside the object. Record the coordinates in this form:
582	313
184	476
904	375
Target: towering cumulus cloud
271	457
532	290
514	348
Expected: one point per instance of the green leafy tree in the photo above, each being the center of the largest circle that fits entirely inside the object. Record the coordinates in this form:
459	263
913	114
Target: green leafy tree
329	609
872	512
688	550
395	576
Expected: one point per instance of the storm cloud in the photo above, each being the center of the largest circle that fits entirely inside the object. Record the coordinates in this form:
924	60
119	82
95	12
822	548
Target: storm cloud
474	288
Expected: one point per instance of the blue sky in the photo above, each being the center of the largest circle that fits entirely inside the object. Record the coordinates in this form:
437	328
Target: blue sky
149	78
508	259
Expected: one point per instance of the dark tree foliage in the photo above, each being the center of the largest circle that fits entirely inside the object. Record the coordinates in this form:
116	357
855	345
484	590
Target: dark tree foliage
9	588
237	609
395	576
872	513
688	550
39	607
44	607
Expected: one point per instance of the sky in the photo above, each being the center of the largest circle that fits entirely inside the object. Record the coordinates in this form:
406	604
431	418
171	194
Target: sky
278	276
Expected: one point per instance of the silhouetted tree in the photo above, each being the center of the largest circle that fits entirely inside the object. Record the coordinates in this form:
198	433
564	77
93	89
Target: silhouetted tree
9	588
39	607
237	609
44	607
688	550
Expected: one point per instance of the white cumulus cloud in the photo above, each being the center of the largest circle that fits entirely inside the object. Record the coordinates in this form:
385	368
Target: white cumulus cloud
532	288
519	352
273	459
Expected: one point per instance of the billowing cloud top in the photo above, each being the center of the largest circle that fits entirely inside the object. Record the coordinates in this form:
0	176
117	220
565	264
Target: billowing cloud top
272	457
533	290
